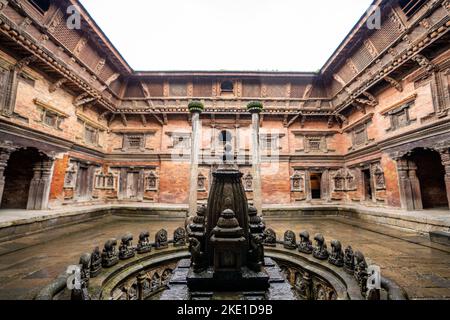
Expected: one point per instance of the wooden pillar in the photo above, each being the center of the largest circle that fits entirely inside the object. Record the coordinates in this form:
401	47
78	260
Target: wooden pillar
445	158
308	185
406	194
195	109
40	185
5	152
415	186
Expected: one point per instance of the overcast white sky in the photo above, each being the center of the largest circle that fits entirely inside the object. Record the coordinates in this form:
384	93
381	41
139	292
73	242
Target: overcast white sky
283	35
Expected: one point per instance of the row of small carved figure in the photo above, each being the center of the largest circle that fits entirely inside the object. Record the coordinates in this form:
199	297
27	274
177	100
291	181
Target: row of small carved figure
110	256
353	262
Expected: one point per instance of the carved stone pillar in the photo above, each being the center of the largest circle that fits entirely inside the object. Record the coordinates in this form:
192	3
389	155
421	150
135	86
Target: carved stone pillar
40	185
5	152
415	186
406	194
445	157
195	108
308	185
325	185
255	109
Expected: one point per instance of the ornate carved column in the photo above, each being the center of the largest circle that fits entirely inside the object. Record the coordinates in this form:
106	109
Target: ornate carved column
255	109
5	151
195	108
415	186
406	194
445	157
40	185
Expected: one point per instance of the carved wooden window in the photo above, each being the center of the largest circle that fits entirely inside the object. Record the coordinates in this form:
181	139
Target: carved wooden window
297	182
380	183
227	87
314	143
104	181
270	141
248	182
90	135
41	5
133	142
151	182
180	140
201	182
400	117
360	136
411	7
339	181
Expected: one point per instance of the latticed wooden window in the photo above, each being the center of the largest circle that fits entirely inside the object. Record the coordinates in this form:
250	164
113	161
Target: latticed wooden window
3	86
360	136
411	7
315	144
90	135
134	141
50	119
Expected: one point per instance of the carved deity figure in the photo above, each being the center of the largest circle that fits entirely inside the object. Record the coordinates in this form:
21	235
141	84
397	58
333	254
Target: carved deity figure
161	241
270	238
126	249
144	245
197	256
337	256
320	250
361	274
349	260
96	262
85	269
305	244
179	237
290	241
110	255
305	287
256	252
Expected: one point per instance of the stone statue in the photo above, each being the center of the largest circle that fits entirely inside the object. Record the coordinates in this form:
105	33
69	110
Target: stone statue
179	237
161	241
290	241
256	252
305	244
197	256
96	262
320	250
110	255
126	249
305	288
361	274
337	256
349	260
270	238
144	244
85	268
256	222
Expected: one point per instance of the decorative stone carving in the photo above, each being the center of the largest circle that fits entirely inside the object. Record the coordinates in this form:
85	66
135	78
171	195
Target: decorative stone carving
339	181
144	244
378	174
306	287
270	238
256	222
197	255
297	182
179	237
151	182
110	255
256	252
320	250
337	256
305	244
349	260
248	182
226	241
161	241
290	241
85	265
201	183
361	274
96	262
126	249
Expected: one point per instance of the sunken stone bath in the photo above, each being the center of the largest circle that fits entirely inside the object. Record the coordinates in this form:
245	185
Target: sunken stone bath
224	252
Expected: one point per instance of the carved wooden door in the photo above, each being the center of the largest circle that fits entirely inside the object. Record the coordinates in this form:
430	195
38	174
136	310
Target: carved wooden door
83	182
132	185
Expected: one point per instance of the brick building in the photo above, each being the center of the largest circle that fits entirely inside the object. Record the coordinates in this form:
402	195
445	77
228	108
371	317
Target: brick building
79	126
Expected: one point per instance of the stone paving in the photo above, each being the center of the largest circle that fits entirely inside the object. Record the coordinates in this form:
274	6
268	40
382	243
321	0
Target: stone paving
421	267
